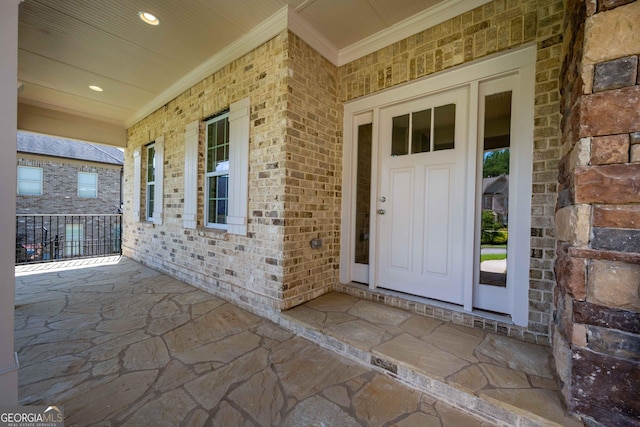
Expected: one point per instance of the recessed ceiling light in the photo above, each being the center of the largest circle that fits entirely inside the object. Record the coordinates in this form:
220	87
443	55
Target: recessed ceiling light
149	18
96	88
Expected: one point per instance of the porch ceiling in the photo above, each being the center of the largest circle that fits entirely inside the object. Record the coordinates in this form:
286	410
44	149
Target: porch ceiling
67	45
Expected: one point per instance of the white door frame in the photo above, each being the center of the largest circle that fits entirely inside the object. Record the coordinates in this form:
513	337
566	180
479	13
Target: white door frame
428	259
520	61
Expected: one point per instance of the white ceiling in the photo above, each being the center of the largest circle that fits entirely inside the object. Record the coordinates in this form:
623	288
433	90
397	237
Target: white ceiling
67	45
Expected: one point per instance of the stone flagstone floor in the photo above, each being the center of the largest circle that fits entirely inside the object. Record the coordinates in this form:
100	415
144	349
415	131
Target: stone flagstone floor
509	380
125	345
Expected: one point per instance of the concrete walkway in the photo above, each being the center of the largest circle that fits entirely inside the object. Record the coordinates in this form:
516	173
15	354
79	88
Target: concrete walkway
121	344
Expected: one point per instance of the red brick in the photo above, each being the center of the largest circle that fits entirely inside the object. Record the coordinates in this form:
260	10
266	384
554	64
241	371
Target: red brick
610	184
570	274
601	381
610	149
611	112
619	216
612	4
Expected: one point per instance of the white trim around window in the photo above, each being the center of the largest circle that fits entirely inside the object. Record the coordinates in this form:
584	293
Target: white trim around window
236	169
191	175
159	178
239	123
216	172
137	183
88	185
150	181
29	182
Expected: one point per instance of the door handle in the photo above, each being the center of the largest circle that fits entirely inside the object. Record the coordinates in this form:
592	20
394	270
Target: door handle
381	211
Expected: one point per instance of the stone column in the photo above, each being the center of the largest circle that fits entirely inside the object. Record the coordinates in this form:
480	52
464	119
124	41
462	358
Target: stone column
8	129
596	337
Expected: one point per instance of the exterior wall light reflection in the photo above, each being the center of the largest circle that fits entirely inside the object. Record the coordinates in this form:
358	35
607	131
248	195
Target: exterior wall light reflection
96	88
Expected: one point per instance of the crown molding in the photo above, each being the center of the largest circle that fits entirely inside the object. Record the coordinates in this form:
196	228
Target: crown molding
406	28
288	18
55	109
314	38
260	34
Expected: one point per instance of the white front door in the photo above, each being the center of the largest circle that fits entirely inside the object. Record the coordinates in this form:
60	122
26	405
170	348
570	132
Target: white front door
422	195
442	221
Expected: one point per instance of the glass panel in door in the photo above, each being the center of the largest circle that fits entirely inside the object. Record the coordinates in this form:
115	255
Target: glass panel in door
494	228
362	230
363	194
499	232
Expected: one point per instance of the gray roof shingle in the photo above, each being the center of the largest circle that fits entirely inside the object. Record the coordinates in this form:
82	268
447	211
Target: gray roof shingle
46	145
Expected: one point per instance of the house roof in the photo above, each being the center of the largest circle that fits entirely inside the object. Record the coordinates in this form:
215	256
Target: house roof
46	145
496	185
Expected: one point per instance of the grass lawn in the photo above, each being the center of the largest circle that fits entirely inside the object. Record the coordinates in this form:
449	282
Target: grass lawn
488	257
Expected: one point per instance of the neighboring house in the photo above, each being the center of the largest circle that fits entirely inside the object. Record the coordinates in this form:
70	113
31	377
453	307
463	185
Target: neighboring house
61	176
64	190
495	196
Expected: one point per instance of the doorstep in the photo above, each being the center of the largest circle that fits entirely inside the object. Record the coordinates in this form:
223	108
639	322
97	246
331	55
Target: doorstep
500	379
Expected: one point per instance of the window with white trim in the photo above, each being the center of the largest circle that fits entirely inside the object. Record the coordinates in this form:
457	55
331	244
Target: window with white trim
88	185
150	181
29	181
226	166
217	172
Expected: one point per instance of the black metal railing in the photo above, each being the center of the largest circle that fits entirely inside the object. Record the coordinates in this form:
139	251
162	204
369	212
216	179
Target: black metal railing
45	238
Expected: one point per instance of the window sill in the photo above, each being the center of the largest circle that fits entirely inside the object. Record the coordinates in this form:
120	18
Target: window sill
209	231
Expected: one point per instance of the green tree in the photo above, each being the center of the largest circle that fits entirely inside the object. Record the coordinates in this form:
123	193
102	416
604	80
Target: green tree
495	163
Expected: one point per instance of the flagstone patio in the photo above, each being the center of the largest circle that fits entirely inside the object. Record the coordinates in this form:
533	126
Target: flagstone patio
122	344
502	379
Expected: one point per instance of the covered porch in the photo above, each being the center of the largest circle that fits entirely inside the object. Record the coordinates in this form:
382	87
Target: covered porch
118	343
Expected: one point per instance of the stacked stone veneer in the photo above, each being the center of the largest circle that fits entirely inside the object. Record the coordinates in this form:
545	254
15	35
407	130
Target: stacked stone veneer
597	320
294	181
492	28
60	188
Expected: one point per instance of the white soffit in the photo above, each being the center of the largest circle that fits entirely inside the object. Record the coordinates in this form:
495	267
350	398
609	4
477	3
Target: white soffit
288	18
410	26
314	38
260	34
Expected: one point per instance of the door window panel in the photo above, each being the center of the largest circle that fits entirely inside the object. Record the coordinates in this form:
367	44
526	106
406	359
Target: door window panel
363	194
400	136
432	129
421	131
444	126
494	228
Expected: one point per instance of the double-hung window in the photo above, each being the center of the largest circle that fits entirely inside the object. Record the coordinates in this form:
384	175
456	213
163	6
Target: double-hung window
29	181
151	180
226	171
217	172
87	185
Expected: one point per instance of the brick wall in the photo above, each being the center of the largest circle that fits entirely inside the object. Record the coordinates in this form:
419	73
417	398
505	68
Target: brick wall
492	28
313	181
295	156
60	188
294	181
597	320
